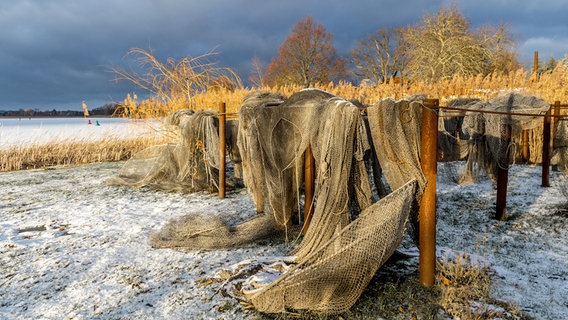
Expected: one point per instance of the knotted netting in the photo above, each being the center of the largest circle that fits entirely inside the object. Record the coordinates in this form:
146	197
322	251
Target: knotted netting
330	279
396	133
273	139
188	165
488	149
452	141
339	255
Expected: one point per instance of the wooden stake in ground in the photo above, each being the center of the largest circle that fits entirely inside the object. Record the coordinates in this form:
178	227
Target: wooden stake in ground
222	122
546	151
503	176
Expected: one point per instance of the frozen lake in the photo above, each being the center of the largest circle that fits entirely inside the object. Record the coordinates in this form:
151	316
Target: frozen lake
26	131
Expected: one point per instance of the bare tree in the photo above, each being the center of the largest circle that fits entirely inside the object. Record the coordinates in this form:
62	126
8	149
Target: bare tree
443	45
256	76
176	80
501	45
306	57
379	56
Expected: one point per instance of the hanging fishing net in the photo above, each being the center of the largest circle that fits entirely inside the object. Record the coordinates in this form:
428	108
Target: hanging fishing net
350	234
272	138
488	149
338	254
348	238
452	141
191	164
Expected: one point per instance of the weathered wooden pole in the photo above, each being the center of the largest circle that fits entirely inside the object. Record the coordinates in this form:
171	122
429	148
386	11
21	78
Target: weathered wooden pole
546	151
309	187
222	123
427	215
503	176
526	150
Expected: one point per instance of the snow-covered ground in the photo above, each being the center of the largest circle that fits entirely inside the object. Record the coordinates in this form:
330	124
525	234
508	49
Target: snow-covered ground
26	131
73	248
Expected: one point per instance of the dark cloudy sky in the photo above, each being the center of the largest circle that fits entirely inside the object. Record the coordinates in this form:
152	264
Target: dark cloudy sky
56	53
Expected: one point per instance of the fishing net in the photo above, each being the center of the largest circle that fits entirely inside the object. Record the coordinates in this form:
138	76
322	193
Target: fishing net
330	279
273	136
348	238
189	165
207	230
488	149
338	254
452	141
395	129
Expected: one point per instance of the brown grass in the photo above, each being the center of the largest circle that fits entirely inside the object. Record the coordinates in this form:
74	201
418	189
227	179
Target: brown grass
550	86
71	152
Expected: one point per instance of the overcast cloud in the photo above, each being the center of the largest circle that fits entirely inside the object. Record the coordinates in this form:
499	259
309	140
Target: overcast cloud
56	53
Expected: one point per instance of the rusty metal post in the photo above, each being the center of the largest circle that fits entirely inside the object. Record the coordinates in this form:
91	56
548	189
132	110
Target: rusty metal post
427	215
503	176
309	187
222	123
546	151
526	150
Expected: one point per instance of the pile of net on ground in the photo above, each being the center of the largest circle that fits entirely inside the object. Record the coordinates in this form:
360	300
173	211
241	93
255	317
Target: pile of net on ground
188	165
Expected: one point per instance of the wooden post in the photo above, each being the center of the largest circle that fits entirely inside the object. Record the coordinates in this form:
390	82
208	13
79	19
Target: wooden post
427	215
526	150
222	123
535	63
546	151
309	187
503	176
554	125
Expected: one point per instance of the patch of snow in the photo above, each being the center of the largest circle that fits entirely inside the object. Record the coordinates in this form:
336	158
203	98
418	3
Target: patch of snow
26	131
72	247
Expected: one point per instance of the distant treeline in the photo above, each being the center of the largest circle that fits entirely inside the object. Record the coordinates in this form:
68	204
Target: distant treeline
105	110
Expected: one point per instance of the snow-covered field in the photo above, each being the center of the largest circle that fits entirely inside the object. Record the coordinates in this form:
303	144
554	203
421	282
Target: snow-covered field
26	131
73	248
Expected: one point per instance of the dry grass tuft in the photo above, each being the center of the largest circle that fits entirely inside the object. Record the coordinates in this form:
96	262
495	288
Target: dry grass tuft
464	288
72	152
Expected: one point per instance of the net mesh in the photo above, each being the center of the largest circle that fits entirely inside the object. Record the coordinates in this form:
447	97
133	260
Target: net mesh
190	165
339	255
488	149
396	136
331	278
